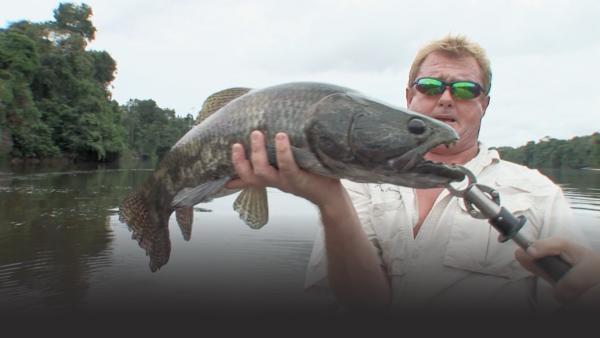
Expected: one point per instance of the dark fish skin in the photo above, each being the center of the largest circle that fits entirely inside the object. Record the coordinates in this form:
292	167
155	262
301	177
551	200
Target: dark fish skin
334	131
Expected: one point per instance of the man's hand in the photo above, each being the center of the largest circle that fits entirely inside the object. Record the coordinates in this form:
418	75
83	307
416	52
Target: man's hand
289	178
584	274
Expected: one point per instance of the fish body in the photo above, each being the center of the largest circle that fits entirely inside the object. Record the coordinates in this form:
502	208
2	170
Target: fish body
334	131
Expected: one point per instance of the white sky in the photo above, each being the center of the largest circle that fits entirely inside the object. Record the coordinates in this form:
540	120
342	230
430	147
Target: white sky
544	54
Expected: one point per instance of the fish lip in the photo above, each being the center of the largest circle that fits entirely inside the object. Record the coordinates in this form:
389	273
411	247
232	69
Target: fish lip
449	171
411	158
413	161
418	164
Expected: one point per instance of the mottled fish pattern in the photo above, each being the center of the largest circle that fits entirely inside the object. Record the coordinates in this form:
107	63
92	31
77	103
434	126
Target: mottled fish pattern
329	128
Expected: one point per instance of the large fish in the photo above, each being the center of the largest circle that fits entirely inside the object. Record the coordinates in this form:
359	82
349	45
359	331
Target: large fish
334	131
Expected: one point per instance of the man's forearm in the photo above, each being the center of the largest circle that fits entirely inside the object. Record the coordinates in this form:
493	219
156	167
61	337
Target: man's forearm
354	272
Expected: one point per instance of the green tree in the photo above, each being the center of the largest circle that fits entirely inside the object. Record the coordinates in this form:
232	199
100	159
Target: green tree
72	19
19	116
55	94
578	152
151	130
595	151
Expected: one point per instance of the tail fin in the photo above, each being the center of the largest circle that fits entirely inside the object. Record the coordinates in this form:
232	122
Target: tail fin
149	227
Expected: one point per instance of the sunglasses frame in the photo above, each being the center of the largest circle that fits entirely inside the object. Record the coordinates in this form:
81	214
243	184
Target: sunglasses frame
444	85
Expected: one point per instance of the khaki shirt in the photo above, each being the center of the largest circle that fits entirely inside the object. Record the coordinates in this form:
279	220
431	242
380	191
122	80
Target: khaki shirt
456	261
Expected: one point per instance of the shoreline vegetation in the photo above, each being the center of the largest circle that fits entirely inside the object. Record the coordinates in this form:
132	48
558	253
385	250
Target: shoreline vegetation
581	152
56	106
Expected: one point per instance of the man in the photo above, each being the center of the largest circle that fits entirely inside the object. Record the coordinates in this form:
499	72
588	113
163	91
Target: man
415	249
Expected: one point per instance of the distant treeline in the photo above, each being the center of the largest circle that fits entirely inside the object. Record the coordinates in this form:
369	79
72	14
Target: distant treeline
55	99
578	152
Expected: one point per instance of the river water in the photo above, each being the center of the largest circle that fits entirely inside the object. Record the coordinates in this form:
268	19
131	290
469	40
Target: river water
63	248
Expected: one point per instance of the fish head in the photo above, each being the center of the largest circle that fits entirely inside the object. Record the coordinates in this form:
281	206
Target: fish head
368	141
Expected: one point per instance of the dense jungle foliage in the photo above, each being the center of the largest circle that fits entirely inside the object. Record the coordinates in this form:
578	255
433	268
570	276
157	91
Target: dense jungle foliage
55	98
578	152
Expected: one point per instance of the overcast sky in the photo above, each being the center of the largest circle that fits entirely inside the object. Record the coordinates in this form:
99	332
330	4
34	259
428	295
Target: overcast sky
544	54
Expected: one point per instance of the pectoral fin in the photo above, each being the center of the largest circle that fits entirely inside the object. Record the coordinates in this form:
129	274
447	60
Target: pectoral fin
253	207
189	197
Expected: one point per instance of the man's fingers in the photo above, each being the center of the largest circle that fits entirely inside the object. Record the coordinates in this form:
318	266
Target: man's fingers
285	157
242	166
528	262
259	157
236	184
556	246
525	259
545	247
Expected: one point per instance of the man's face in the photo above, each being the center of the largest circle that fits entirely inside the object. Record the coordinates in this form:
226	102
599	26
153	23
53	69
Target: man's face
462	115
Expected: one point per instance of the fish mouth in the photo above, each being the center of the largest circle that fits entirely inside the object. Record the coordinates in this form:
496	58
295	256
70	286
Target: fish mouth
414	162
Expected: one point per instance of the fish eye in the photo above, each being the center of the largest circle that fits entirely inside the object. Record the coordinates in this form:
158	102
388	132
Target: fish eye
416	126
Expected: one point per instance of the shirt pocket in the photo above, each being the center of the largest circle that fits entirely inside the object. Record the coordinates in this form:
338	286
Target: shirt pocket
387	218
473	243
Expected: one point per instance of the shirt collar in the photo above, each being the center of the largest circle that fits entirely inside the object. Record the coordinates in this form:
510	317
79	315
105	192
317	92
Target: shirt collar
484	158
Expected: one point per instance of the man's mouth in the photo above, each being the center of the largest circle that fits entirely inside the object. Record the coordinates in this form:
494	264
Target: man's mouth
445	119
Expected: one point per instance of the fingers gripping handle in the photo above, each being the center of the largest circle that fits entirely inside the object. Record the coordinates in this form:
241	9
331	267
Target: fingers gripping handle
554	266
508	225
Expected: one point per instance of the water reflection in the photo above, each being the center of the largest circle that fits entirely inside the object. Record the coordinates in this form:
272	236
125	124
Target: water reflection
581	187
54	232
62	246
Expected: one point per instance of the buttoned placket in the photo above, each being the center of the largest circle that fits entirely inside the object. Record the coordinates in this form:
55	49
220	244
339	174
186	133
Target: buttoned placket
416	245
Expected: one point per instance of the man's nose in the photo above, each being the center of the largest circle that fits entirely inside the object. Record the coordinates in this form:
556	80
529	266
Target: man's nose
446	99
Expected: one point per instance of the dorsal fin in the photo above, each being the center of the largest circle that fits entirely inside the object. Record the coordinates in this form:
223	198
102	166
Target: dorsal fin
217	100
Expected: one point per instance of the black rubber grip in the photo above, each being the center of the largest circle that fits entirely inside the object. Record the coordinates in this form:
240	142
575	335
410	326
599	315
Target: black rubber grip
554	266
507	224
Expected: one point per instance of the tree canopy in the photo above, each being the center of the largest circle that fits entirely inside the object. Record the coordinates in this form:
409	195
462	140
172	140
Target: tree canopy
151	130
55	98
578	152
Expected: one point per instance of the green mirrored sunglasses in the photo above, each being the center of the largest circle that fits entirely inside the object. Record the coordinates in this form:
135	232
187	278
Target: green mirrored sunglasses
462	90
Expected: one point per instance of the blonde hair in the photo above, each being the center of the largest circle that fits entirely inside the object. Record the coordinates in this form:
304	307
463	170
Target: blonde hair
454	46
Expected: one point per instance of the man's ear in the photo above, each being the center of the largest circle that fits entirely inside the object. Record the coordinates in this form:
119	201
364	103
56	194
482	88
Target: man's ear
485	104
409	96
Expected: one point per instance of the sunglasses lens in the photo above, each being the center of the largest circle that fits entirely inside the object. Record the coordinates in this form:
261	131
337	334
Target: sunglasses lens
465	90
430	86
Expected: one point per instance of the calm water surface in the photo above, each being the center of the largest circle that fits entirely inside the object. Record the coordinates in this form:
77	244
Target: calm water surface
62	247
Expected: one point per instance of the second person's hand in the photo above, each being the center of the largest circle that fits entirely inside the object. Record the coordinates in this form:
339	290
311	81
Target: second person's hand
584	275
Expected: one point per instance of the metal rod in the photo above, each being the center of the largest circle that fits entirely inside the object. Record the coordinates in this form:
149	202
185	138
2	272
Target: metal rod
487	207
